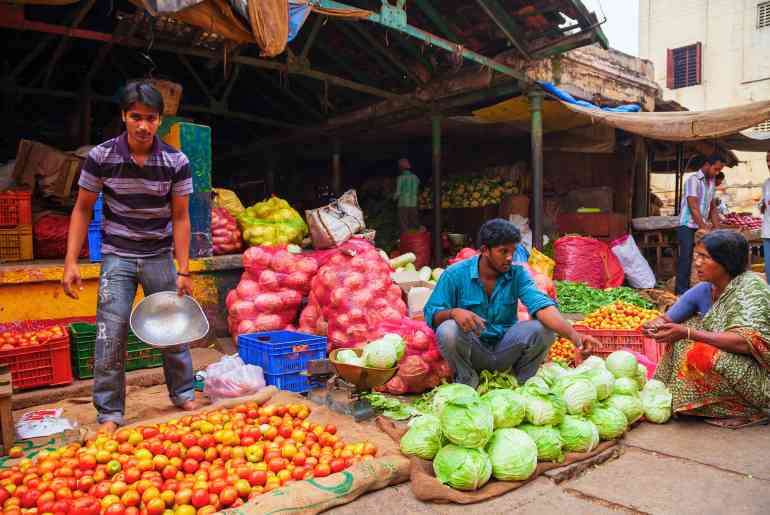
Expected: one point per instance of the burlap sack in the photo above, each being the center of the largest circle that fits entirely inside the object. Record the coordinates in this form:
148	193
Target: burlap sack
426	487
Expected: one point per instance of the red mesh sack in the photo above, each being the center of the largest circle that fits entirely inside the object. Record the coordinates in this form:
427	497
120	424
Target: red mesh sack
417	242
50	237
225	235
586	260
543	283
462	255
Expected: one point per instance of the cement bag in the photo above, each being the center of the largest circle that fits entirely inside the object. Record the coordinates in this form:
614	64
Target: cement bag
638	271
586	260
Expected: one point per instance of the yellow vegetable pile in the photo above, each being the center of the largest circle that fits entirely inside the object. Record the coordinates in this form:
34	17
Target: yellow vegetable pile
619	315
272	223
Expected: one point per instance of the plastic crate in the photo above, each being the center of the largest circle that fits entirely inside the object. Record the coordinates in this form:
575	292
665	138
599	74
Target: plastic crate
200	212
95	242
139	355
47	364
98	208
281	352
297	383
15	208
610	341
16	244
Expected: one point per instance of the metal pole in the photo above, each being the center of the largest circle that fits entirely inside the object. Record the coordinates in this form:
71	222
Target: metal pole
536	106
438	257
336	168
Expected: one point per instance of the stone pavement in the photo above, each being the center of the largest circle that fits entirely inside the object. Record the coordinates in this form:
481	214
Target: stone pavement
683	467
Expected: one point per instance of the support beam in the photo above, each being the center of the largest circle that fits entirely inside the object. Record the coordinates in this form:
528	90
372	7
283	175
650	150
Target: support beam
505	23
387	67
386	52
317	24
438	20
102	54
536	106
81	13
230	84
301	102
202	85
438	257
355	73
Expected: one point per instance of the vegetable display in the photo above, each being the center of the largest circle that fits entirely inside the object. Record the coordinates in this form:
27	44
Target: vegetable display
448	392
424	437
496	379
562	351
619	315
742	221
224	232
468	422
11	340
513	454
580	298
196	464
462	468
547	440
468	191
508	407
578	434
272	222
656	402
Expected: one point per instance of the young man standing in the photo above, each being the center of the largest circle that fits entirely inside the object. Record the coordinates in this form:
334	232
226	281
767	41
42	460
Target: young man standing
407	186
146	186
474	311
697	208
765	209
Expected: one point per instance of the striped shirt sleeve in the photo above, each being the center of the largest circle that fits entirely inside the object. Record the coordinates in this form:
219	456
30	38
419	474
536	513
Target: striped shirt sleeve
182	183
91	175
691	187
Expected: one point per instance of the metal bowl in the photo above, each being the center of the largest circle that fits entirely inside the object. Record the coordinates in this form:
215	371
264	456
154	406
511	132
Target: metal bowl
165	319
363	377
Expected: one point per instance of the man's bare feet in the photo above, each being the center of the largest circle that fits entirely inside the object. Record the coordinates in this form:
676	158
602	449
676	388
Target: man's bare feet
107	428
190	405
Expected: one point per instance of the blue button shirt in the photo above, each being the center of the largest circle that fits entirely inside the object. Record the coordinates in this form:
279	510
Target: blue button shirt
460	287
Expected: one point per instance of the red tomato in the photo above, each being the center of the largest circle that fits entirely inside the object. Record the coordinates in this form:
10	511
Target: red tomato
86	505
337	465
321	470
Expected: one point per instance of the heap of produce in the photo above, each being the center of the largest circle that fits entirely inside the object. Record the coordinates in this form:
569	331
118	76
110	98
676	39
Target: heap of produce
194	465
563	351
505	432
744	222
468	191
224	232
580	298
620	315
270	291
12	340
405	263
272	222
382	353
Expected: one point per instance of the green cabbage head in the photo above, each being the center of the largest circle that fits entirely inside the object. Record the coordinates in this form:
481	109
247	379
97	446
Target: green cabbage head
656	402
349	357
578	392
537	384
641	375
630	405
578	434
622	364
468	422
551	372
446	392
380	354
462	468
625	386
603	380
544	409
611	422
592	362
424	437
548	442
513	454
508	408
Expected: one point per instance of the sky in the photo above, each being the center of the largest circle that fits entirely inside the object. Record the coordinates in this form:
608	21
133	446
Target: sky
622	25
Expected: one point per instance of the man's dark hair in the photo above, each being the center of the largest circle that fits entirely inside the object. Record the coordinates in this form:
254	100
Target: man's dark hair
498	232
728	248
720	176
713	158
142	92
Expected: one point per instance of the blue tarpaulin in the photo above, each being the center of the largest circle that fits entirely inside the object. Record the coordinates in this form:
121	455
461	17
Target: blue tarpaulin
566	97
298	13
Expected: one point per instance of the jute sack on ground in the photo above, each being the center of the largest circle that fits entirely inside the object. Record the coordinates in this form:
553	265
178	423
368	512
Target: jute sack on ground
311	496
426	487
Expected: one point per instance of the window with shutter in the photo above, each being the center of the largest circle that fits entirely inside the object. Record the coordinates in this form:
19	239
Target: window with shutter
763	15
684	66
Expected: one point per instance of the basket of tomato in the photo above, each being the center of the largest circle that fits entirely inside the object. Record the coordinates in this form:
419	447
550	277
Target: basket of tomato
37	355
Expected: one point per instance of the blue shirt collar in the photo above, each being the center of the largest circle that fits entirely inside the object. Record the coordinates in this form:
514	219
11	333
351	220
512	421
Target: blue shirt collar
475	269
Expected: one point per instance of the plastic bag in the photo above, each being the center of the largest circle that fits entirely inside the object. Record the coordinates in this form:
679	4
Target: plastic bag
272	222
541	263
227	199
544	283
637	269
586	260
231	377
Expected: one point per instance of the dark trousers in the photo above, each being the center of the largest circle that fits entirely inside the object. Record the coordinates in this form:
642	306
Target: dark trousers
408	218
686	238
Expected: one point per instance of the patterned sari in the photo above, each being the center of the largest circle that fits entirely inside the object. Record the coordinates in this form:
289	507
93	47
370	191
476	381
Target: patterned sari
708	382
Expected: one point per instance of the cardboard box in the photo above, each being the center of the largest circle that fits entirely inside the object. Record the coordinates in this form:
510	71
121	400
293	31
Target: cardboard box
53	171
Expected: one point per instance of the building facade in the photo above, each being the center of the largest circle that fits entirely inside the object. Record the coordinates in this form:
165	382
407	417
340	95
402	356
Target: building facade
710	54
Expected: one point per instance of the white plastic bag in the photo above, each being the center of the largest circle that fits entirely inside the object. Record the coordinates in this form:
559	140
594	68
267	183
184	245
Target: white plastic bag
231	377
636	268
522	224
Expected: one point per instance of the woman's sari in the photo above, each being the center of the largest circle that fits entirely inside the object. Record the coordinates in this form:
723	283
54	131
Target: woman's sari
709	382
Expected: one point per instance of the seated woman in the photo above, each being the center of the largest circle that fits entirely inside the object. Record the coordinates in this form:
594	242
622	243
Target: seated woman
695	301
719	368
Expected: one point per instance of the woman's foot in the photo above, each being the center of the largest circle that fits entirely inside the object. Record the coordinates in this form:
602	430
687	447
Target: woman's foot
190	405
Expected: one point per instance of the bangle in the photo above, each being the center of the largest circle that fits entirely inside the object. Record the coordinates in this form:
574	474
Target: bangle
183	274
689	333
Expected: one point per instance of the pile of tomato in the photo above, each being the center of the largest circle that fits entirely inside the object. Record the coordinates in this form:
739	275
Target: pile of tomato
10	340
563	351
620	316
195	465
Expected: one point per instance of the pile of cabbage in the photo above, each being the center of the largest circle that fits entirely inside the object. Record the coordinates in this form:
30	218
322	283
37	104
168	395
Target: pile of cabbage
382	353
505	432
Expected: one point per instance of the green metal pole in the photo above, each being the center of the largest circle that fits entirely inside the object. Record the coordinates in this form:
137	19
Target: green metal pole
438	257
536	106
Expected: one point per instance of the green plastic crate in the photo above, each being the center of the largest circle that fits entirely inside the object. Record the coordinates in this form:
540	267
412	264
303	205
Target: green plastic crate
83	348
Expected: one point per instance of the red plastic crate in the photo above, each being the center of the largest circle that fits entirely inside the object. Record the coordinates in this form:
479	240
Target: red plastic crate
610	341
15	208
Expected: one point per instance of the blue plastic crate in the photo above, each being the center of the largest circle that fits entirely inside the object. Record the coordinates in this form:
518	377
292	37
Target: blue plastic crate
95	242
281	352
98	208
297	383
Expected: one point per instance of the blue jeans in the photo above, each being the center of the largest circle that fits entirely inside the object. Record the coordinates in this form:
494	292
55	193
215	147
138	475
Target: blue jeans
117	288
766	251
686	238
522	348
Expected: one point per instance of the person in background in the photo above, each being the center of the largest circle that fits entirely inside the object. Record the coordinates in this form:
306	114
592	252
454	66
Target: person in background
407	187
146	185
697	211
764	208
719	368
473	310
722	208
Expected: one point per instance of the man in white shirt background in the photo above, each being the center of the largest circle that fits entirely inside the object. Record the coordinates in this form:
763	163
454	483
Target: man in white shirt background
765	209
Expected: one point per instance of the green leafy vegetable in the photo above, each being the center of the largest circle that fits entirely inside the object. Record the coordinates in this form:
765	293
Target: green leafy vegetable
578	434
513	454
548	442
508	408
467	421
497	379
580	298
390	407
424	438
462	468
447	392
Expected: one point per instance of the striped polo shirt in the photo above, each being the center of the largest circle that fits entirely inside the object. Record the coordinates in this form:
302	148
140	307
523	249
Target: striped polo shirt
136	219
701	187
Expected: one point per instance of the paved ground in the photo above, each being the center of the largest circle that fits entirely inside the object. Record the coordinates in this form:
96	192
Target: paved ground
684	467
